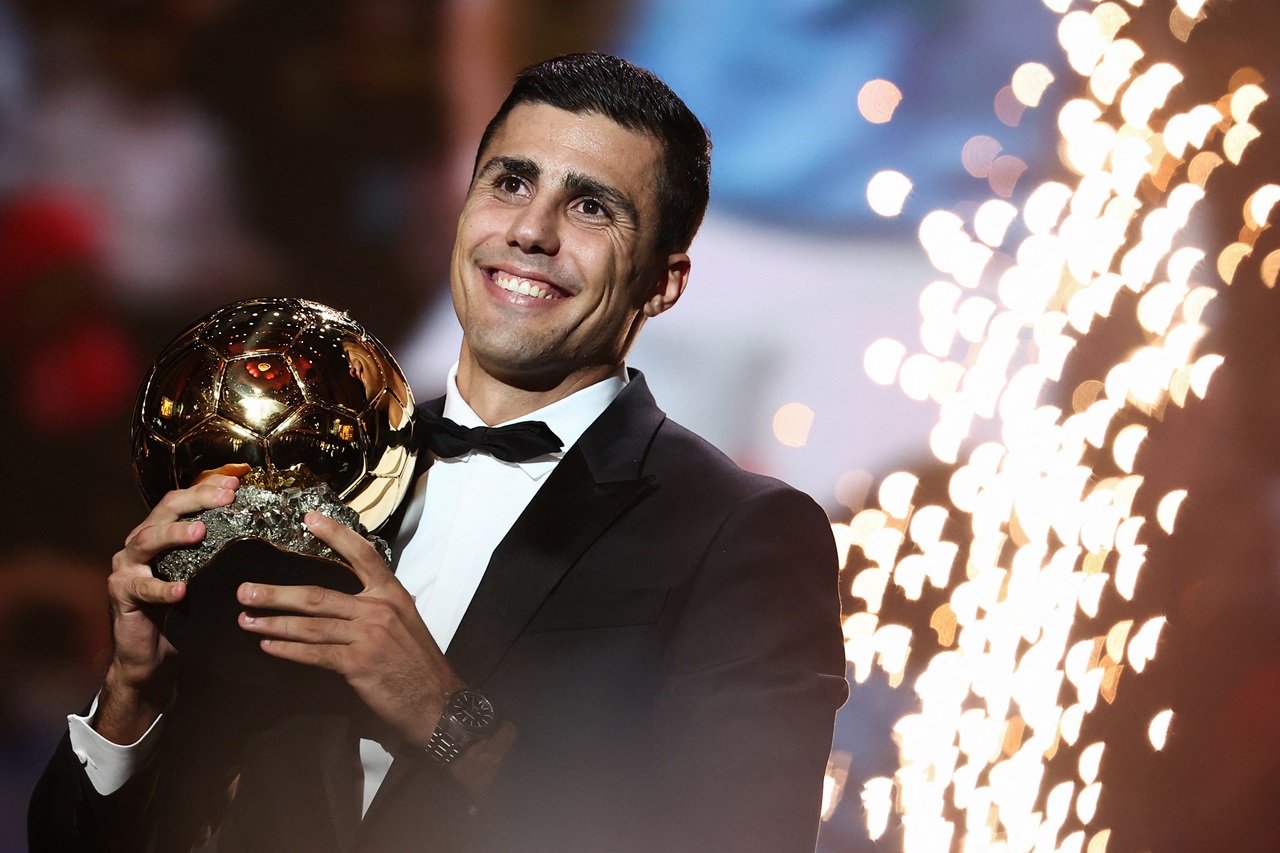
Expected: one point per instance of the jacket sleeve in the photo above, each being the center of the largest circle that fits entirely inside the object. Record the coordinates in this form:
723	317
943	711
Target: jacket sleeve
169	805
66	814
754	674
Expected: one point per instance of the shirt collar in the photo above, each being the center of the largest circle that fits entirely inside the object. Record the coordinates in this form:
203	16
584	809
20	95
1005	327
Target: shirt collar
568	417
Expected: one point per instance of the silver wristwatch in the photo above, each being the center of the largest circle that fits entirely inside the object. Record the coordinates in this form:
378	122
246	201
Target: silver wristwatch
468	716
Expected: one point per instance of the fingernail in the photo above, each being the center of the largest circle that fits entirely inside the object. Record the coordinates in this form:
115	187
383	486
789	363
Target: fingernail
195	528
247	592
248	620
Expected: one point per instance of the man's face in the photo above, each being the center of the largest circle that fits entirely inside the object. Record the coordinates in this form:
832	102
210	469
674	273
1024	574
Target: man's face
555	264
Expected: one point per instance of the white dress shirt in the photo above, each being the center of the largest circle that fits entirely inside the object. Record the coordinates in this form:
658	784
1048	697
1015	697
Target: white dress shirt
461	510
458	513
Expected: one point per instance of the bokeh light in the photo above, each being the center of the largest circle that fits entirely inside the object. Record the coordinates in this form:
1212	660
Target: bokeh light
1041	550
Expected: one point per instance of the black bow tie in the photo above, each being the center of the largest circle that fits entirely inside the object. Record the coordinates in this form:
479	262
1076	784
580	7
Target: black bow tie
518	442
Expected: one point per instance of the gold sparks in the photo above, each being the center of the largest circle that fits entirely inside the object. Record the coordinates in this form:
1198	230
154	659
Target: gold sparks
1181	24
882	359
1009	107
1190	8
1271	268
1257	210
1245	100
1158	731
1039	538
1230	259
887	192
1030	82
877	101
1005	172
978	155
791	424
991	222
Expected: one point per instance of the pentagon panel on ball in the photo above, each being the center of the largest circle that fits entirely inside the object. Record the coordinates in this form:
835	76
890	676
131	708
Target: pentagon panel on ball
297	390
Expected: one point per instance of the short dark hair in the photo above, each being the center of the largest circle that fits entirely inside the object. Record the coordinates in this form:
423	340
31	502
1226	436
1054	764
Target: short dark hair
639	101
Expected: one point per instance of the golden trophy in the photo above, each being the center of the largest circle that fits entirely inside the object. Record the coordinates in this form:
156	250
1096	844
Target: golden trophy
321	413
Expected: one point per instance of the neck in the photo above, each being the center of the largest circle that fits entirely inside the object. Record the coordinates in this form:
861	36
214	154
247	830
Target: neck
498	400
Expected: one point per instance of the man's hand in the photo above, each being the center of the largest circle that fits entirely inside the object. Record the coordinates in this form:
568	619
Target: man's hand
375	640
139	679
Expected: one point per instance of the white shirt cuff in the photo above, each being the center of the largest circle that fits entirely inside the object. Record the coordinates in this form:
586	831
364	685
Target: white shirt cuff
109	765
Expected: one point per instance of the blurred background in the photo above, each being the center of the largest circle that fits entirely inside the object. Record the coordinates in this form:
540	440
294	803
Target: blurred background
159	158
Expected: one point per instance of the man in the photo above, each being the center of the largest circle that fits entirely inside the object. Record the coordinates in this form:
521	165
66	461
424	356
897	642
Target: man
657	630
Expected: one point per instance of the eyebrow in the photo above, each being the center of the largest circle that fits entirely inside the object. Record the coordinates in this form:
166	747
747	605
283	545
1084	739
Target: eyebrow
516	165
575	183
579	184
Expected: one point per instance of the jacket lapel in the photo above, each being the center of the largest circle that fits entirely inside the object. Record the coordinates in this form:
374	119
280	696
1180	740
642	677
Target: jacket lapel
597	480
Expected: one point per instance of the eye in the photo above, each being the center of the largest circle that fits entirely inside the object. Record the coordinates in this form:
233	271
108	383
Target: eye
593	208
512	184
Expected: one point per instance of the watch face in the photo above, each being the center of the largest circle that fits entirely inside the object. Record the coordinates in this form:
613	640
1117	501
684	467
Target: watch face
471	710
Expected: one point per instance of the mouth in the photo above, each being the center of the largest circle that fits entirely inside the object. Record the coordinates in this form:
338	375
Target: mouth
522	286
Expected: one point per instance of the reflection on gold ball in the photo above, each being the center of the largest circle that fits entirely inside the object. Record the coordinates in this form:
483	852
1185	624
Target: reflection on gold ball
296	389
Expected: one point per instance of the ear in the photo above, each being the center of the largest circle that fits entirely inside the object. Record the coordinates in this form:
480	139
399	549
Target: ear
669	286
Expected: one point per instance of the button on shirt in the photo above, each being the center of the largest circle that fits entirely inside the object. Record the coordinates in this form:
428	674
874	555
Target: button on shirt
458	513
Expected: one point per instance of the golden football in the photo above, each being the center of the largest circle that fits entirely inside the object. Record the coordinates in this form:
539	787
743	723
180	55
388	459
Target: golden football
297	390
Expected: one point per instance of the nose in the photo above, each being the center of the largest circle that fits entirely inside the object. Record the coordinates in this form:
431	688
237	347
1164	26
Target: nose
535	228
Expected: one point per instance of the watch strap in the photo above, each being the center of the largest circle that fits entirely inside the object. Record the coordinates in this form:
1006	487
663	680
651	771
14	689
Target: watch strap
467	716
442	748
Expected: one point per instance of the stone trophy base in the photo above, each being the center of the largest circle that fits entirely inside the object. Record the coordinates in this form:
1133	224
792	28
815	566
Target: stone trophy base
203	627
258	538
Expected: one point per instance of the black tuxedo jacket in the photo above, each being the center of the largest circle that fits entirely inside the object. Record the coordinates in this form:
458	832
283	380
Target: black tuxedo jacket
661	628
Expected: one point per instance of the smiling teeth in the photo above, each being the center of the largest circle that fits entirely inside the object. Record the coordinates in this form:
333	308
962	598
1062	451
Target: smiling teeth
521	285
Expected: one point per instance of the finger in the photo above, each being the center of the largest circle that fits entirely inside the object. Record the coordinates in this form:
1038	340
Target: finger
325	656
234	470
306	600
149	541
359	552
132	593
300	629
214	492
